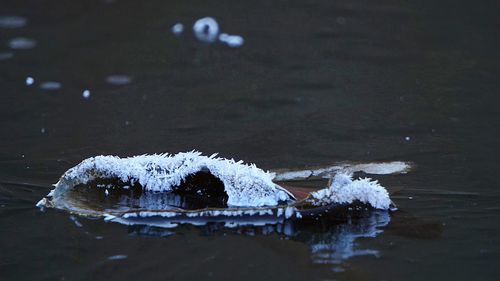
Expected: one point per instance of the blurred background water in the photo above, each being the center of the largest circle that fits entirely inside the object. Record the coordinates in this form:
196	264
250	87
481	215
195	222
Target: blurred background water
316	82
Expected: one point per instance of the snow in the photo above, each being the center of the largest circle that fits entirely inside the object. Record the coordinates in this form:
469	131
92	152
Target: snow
345	190
86	94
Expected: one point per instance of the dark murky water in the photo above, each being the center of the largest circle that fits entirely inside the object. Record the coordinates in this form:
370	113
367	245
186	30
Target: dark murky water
316	82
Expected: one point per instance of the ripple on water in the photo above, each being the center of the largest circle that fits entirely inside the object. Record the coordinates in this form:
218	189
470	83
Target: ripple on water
118	79
22	43
50	85
12	21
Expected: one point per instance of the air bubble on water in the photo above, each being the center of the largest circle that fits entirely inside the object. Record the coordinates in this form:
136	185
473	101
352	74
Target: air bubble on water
22	43
50	85
30	81
86	94
177	29
118	79
12	21
232	41
206	29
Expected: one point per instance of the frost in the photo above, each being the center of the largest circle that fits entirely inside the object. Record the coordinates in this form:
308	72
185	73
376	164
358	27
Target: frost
245	185
345	190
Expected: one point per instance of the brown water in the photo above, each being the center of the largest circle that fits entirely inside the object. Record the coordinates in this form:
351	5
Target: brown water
316	82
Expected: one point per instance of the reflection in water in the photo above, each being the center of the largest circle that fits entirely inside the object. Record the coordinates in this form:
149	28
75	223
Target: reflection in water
331	241
22	43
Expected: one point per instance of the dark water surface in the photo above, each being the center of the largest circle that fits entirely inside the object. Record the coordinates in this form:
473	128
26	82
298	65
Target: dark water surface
316	82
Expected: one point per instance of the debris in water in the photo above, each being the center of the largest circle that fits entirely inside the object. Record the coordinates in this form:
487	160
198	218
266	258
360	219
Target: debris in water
177	29
30	81
166	190
206	29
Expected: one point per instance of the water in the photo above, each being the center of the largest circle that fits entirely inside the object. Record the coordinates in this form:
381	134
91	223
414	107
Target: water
316	82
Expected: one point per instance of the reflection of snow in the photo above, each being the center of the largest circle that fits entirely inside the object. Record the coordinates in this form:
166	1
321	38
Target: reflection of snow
339	243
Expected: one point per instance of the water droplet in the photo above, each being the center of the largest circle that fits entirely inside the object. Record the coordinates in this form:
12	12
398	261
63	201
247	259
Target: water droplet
12	21
86	94
232	41
177	29
22	43
206	29
29	81
118	80
50	85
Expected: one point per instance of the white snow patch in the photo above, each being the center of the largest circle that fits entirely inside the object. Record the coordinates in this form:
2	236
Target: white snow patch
345	190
